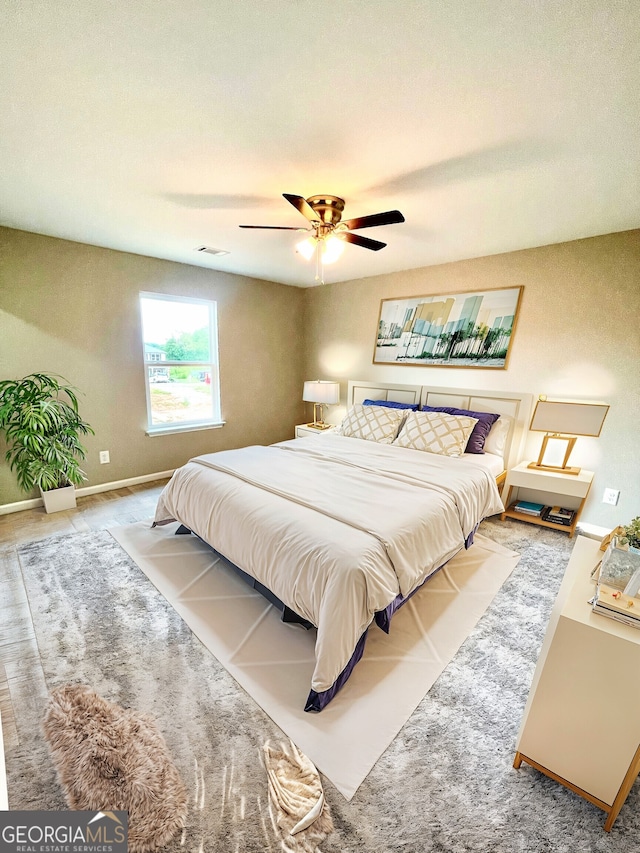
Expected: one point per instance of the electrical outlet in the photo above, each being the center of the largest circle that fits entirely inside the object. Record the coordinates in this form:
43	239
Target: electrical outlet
104	457
611	496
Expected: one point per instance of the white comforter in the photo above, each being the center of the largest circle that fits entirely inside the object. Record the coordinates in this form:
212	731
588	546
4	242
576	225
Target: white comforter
336	527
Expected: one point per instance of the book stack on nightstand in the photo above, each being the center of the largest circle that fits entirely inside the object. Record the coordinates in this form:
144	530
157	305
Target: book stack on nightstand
558	515
529	508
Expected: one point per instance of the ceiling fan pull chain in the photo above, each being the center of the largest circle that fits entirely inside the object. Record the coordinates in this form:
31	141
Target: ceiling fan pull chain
319	266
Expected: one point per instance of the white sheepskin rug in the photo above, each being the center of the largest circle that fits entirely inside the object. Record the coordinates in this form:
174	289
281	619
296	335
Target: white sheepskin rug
111	758
296	798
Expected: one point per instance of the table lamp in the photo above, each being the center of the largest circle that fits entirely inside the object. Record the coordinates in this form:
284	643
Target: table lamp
321	393
564	420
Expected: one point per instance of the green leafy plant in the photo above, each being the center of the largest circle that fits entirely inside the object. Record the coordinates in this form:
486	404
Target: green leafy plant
41	423
631	535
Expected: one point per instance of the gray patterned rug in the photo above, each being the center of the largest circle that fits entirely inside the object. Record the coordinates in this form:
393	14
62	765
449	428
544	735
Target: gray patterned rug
445	784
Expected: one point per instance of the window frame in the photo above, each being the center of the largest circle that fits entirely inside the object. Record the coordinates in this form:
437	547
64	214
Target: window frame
212	367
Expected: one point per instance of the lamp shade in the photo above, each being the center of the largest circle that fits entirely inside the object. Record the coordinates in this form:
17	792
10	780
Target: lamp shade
566	416
321	391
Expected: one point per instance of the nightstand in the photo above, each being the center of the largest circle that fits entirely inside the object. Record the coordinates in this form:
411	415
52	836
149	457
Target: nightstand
302	430
552	488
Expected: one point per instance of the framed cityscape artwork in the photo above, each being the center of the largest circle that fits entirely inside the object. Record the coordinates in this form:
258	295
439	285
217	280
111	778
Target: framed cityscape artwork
470	329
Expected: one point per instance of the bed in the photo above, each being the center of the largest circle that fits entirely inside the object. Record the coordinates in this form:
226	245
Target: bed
342	530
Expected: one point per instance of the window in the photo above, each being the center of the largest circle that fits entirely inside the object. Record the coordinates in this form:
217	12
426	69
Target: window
180	350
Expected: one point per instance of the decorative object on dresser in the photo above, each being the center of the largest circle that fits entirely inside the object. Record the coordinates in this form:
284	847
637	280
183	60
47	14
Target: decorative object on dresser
631	534
573	730
564	421
539	485
468	329
320	392
617	595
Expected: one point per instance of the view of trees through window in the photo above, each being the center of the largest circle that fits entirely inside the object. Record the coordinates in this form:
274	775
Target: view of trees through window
180	355
189	346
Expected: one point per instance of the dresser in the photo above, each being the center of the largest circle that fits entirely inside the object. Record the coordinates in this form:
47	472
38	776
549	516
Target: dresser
581	724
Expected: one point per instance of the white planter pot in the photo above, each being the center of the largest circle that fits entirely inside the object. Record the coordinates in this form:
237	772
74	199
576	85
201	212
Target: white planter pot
56	500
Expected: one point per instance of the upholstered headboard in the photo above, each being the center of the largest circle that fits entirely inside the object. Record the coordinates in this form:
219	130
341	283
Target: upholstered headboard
506	403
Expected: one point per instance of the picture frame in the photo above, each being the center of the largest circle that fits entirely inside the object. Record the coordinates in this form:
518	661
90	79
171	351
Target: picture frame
465	329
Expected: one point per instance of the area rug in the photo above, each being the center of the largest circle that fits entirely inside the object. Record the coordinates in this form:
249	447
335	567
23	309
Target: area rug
99	622
445	784
274	661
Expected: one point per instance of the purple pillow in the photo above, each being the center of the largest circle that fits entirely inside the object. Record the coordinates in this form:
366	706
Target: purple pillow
391	405
486	420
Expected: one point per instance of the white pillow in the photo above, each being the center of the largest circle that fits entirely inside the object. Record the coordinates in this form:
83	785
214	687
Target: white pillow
436	432
496	441
372	423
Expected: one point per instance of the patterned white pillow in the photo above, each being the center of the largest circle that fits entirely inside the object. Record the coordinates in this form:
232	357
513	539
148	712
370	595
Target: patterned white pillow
373	423
436	432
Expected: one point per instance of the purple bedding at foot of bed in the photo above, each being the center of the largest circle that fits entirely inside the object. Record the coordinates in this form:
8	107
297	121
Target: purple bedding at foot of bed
318	701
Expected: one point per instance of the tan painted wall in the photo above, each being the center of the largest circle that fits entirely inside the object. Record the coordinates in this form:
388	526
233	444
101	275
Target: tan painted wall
72	309
578	335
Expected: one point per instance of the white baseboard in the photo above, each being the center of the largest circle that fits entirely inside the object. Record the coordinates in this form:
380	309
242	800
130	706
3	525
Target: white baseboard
4	794
32	503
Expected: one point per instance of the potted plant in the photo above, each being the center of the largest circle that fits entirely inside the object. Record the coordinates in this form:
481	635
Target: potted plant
41	423
631	535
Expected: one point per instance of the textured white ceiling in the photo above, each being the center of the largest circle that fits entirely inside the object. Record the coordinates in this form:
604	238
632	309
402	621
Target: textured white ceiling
155	127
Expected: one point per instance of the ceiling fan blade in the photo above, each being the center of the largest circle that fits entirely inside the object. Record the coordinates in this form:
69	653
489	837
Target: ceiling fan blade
390	217
365	242
302	205
274	227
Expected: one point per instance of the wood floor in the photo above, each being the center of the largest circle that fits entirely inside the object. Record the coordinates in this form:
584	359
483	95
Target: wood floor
20	668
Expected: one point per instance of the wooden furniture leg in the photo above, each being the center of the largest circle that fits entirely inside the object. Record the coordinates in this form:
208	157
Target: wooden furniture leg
612	811
621	796
506	503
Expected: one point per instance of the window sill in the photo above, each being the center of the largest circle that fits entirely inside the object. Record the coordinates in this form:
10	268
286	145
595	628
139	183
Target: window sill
171	429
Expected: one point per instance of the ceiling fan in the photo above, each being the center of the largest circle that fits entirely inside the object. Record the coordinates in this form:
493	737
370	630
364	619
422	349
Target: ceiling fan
328	232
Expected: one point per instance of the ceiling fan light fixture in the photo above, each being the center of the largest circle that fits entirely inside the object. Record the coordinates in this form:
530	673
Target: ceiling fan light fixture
328	232
306	248
332	248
